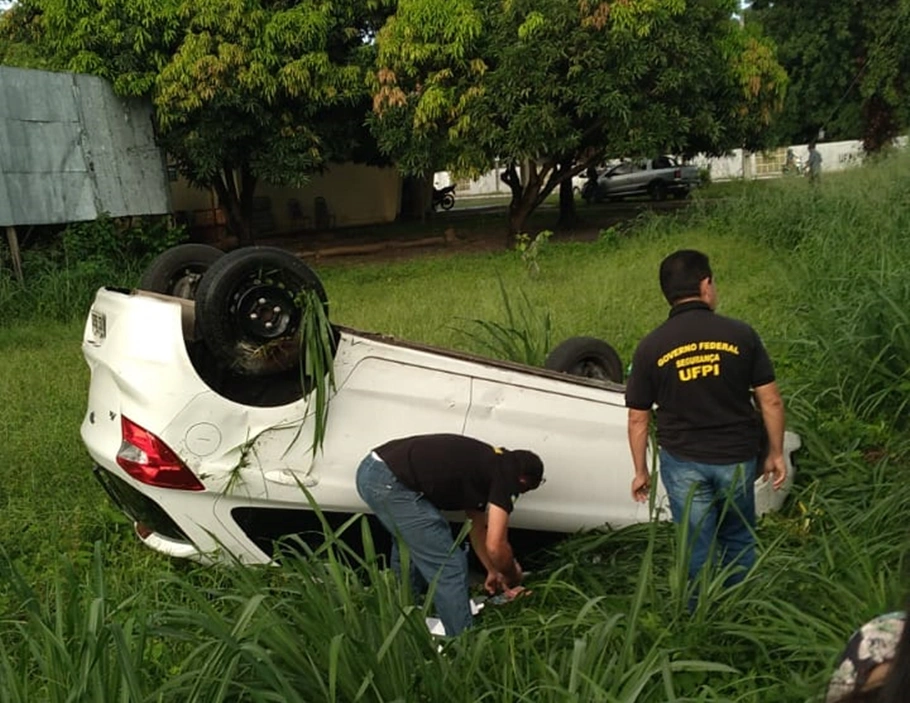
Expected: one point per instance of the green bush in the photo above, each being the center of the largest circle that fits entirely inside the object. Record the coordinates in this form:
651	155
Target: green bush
61	277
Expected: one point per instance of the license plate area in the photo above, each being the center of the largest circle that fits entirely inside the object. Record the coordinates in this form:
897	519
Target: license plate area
99	326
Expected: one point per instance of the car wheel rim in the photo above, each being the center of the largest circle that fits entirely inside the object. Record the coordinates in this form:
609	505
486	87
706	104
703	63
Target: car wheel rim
184	285
264	310
590	368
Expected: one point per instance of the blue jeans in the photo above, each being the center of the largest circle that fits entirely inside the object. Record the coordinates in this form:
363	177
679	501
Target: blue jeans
414	520
721	516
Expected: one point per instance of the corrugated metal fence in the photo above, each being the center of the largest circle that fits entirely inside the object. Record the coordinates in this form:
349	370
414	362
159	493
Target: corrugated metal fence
71	150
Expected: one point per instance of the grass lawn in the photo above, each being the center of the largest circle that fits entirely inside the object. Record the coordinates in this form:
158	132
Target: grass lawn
594	289
819	273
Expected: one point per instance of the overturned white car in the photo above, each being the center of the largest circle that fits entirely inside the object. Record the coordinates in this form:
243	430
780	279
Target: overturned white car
204	436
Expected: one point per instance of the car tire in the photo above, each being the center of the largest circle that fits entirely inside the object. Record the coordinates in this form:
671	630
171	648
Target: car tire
178	271
247	312
587	357
657	190
447	202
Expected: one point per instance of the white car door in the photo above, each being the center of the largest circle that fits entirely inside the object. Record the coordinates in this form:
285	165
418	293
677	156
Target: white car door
580	434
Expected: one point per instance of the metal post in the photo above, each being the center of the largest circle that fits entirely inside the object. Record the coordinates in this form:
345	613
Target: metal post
745	159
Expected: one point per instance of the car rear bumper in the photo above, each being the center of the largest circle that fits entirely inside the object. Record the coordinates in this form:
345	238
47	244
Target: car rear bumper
151	523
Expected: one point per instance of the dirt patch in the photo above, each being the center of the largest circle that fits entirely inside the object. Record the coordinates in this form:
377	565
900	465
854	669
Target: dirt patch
452	242
454	232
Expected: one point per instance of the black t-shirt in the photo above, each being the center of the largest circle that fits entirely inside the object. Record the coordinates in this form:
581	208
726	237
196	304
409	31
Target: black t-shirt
699	368
454	472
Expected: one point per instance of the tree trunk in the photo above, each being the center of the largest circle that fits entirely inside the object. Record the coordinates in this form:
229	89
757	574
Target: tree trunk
510	177
247	193
879	124
568	217
231	207
416	198
237	203
518	212
426	197
527	193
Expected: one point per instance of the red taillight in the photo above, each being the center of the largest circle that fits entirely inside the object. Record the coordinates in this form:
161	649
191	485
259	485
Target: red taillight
677	173
149	460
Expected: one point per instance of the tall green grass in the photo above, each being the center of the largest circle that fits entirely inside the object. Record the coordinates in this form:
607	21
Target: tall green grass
817	271
606	622
845	245
523	335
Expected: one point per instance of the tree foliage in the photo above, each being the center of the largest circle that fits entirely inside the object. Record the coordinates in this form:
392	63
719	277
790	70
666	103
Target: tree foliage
243	90
847	61
19	28
549	87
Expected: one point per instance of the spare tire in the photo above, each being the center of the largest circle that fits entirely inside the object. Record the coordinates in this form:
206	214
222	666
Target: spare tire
248	312
588	357
177	271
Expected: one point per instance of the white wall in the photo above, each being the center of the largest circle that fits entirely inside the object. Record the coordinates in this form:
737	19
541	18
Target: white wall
487	184
355	195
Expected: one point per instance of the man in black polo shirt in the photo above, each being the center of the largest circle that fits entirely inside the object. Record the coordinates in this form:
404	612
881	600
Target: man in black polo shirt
700	369
408	481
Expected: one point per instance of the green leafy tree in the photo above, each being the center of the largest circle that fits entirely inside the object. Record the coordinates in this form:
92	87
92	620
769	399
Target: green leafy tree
848	63
243	90
550	87
18	37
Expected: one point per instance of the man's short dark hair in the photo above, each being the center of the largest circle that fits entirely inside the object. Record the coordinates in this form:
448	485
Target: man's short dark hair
681	274
529	466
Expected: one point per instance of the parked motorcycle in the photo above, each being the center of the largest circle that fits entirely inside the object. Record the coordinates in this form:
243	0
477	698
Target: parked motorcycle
444	197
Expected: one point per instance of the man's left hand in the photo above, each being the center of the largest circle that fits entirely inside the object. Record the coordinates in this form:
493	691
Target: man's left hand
641	487
497	581
775	468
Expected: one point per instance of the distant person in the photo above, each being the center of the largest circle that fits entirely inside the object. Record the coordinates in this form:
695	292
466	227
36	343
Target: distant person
875	666
589	191
700	370
408	482
793	163
814	163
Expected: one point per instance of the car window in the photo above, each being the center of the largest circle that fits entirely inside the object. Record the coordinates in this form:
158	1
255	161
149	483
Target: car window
663	162
621	169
